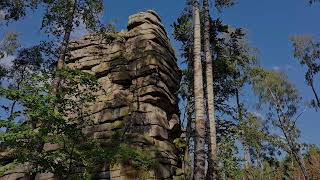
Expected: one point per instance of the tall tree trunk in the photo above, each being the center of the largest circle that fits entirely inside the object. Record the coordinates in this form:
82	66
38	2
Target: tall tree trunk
189	129
210	95
187	165
64	49
199	169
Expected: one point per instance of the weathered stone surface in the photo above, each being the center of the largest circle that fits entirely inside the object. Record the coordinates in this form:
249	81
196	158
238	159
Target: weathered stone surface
15	175
109	115
103	127
45	176
139	77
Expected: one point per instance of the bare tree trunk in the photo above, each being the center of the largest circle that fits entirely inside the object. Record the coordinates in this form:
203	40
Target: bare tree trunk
189	128
189	134
210	95
199	169
315	94
64	49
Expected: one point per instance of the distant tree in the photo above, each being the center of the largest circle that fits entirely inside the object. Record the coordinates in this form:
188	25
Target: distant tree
220	4
312	159
230	55
283	101
15	10
60	19
8	44
307	51
11	11
313	1
183	32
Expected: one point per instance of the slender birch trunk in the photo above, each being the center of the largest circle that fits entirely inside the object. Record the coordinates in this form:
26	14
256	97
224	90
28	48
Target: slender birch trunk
315	93
210	94
199	169
292	145
64	49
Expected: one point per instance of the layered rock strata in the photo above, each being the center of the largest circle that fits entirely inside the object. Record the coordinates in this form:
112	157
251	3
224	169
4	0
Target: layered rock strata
139	78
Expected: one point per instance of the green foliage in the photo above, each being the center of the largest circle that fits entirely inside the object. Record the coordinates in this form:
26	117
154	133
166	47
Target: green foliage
46	131
255	134
3	72
37	124
220	4
283	101
9	44
229	163
273	88
286	167
61	16
134	157
233	59
14	10
236	68
57	13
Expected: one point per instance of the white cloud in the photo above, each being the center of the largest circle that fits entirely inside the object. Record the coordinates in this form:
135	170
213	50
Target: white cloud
276	68
286	67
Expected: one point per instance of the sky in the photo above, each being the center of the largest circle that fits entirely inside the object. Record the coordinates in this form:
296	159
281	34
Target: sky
269	24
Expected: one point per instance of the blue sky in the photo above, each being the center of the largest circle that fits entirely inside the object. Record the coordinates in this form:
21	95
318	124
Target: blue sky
269	24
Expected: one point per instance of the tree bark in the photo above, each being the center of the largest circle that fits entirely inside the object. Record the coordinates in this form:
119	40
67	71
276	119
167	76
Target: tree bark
210	94
199	169
187	164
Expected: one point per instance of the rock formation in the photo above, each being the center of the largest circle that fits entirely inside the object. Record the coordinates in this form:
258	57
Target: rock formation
139	76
